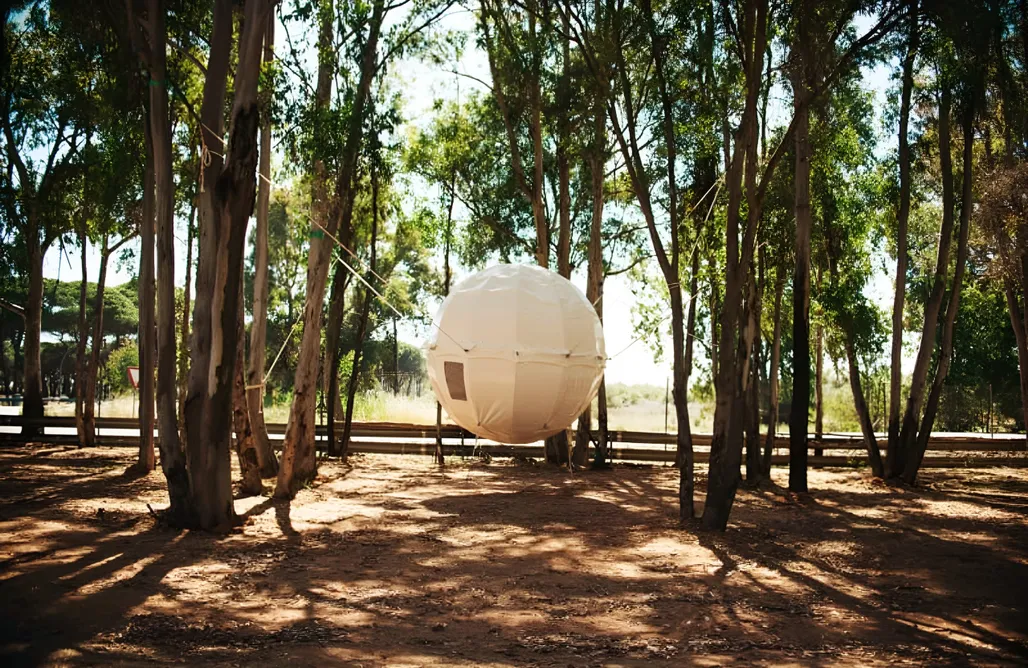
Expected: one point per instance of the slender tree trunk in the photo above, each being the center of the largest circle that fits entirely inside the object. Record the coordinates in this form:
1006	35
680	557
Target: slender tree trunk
754	470
819	393
916	455
735	343
446	293
715	308
259	325
670	269
80	347
351	387
874	456
542	225
333	352
915	401
396	360
246	447
299	464
776	360
798	420
563	164
594	283
93	362
893	458
362	327
32	377
183	371
690	338
160	129
556	446
147	325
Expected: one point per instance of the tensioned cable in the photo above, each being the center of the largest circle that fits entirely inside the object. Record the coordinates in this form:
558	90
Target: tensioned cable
376	292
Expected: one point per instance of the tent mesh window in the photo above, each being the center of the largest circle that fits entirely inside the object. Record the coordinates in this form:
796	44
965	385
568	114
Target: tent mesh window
454	372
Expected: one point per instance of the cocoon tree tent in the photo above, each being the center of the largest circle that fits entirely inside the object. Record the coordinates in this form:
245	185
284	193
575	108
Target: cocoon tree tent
517	353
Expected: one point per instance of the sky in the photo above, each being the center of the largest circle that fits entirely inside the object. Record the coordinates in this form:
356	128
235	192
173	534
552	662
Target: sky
632	360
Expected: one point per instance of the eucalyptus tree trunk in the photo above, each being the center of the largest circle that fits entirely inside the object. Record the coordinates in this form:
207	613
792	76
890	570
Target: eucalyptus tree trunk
259	326
80	347
563	146
754	470
776	360
594	290
215	318
160	129
334	353
896	467
798	419
246	447
560	444
874	456
915	454
893	457
147	325
362	327
299	464
183	371
446	292
819	391
88	437
732	376
670	268
714	308
32	376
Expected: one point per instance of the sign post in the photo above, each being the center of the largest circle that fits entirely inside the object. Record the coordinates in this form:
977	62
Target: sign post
133	378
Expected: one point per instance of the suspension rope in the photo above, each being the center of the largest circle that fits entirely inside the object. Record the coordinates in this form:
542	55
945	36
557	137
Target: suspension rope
381	298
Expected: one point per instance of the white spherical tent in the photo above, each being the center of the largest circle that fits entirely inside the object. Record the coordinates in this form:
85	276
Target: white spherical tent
517	353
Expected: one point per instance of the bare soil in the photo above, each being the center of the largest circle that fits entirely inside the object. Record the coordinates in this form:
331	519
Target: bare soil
395	562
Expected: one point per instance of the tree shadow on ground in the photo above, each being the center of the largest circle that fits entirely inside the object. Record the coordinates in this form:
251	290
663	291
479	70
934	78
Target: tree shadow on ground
502	565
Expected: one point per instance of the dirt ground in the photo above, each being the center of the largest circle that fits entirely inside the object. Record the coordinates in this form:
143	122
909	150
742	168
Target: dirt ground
394	562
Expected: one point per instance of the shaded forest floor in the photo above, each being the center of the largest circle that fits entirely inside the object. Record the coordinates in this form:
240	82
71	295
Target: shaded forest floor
394	562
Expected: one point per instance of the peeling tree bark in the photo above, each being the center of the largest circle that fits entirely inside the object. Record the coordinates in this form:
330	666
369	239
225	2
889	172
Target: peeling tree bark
215	318
160	129
246	447
259	326
183	370
299	464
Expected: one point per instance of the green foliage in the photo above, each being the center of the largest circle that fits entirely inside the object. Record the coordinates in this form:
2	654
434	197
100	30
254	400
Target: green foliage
61	308
984	358
114	372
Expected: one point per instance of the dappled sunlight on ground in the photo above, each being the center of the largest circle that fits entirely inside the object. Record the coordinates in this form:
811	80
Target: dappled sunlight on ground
393	561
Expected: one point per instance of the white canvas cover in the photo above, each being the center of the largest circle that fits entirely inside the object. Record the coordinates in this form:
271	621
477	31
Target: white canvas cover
517	355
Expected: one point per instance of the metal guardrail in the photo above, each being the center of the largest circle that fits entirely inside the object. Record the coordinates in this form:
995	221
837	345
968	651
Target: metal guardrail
389	438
